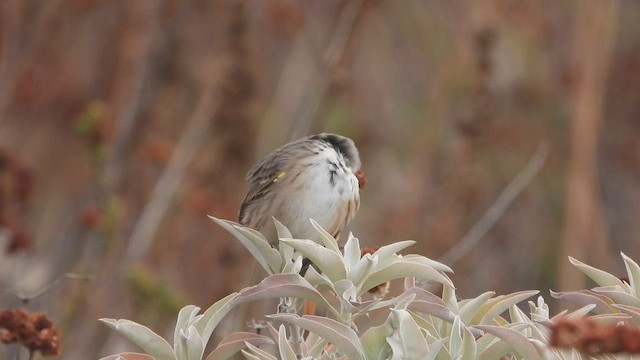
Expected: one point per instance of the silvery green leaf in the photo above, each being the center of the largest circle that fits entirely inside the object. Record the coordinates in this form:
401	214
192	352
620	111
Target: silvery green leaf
407	340
286	252
315	278
455	338
402	268
634	312
426	302
283	285
285	349
539	310
186	316
347	294
602	278
432	331
387	252
359	272
190	346
633	272
585	297
469	348
142	336
292	267
432	263
327	240
374	341
496	306
283	231
258	246
518	316
470	308
402	302
250	356
580	312
254	352
513	338
434	349
610	319
212	317
329	262
618	294
340	335
547	352
128	356
235	342
351	252
450	299
435	309
539	332
315	345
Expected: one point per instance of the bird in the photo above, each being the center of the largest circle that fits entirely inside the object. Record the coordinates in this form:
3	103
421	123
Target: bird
318	177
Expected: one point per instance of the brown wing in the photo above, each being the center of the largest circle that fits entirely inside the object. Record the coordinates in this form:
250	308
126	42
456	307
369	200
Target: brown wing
265	176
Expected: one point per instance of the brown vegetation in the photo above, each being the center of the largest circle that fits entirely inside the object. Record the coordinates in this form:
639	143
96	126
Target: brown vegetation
122	123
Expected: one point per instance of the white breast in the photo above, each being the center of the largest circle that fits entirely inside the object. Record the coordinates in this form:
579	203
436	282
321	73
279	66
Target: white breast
322	199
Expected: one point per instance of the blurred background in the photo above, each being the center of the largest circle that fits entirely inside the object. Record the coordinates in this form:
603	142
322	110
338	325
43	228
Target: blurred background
502	135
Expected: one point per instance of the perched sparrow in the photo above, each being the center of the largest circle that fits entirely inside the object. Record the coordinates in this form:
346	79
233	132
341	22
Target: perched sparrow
317	177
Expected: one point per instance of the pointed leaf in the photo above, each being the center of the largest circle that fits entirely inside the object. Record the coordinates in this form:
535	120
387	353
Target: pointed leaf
500	304
315	345
633	272
634	312
329	262
469	309
316	279
327	240
340	335
428	303
469	347
361	270
581	312
434	349
374	342
212	317
128	356
283	231
254	352
258	246
618	295
190	346
346	293
584	297
610	319
455	338
351	252
142	336
519	343
235	342
406	340
283	285
450	299
602	278
425	260
518	316
286	352
390	250
402	268
286	251
185	316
